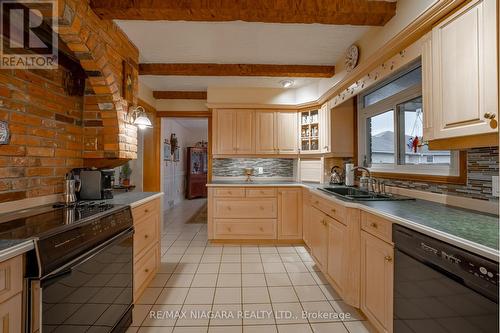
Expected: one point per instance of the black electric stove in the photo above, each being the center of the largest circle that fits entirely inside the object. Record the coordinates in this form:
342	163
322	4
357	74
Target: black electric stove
82	263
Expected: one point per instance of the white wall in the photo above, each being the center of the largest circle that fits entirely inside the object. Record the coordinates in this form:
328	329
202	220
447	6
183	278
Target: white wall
174	173
136	165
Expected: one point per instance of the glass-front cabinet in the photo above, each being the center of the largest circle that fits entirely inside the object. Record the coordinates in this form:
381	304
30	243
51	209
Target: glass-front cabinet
309	131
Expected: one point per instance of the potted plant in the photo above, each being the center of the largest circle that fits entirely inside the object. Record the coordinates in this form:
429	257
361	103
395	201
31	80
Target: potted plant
125	173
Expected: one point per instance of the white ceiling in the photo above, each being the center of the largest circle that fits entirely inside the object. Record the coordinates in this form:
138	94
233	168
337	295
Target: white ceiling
190	123
236	42
197	83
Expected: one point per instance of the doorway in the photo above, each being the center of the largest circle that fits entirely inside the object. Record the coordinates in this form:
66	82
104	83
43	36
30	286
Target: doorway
184	160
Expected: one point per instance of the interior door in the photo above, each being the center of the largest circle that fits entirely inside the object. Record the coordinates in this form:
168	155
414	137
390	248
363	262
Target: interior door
264	133
287	132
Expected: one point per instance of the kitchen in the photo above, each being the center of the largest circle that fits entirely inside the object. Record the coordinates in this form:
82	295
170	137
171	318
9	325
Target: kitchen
352	167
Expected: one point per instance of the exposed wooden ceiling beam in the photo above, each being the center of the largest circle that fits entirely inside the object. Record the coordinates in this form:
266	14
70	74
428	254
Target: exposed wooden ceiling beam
236	70
354	12
180	94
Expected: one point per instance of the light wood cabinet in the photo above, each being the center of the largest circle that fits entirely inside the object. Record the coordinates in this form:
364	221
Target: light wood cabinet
265	139
377	275
290	213
318	236
245	132
337	255
338	131
11	291
147	219
460	81
286	132
234	132
225	122
11	315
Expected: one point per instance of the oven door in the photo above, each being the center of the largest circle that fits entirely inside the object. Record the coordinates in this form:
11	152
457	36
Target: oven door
93	293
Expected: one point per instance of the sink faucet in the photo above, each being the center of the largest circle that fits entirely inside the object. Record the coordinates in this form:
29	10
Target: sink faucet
364	169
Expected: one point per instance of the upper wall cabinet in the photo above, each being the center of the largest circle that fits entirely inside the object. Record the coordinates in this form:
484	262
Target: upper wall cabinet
276	132
338	136
460	82
248	132
234	132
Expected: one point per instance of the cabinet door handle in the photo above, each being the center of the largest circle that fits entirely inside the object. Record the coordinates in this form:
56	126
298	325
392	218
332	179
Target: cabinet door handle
261	207
229	229
146	211
374	225
146	270
489	115
228	208
388	258
316	202
146	236
334	210
261	229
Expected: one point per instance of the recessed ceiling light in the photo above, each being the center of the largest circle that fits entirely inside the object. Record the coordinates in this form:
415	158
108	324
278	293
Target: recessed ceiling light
287	83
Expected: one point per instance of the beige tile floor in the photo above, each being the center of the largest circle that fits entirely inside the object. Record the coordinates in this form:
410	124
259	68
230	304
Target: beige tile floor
245	288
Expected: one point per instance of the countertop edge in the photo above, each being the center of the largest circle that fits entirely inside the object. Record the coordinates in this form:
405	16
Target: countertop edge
479	249
15	250
143	201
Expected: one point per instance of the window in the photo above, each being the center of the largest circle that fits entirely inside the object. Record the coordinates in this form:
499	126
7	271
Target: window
391	129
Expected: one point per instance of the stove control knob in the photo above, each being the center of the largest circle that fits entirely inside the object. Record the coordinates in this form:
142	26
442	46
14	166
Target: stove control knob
490	274
483	270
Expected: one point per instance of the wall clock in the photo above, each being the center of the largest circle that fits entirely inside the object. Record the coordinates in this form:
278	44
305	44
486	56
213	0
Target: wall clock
351	57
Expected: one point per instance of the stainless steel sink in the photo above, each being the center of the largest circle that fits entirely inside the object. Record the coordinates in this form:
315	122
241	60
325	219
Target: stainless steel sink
356	194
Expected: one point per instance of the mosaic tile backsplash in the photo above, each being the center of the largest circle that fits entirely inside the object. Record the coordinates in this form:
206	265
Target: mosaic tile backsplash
482	164
272	167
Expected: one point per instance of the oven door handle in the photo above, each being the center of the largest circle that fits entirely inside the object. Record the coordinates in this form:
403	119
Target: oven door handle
68	268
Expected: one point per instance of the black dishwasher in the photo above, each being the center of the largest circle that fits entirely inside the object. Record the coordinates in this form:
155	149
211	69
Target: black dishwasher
441	288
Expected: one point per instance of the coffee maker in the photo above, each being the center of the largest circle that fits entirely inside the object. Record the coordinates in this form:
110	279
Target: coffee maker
95	184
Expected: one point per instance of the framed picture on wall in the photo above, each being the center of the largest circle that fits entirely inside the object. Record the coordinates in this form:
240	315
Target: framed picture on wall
167	152
177	154
128	82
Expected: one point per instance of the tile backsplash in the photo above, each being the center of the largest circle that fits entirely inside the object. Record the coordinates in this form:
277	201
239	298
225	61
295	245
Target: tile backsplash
272	167
482	164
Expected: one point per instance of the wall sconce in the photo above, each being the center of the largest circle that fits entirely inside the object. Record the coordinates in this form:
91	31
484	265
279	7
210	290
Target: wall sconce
138	117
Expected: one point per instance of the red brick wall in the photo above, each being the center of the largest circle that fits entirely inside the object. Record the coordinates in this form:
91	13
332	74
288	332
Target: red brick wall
101	47
53	132
46	133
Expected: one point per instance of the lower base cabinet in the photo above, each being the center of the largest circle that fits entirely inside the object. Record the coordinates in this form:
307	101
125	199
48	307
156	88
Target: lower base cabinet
147	218
318	236
377	275
11	315
337	255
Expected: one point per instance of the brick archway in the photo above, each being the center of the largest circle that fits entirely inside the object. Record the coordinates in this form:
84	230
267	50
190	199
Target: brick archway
101	47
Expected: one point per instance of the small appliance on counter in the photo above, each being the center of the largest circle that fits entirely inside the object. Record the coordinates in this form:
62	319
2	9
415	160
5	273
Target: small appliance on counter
70	188
95	184
336	176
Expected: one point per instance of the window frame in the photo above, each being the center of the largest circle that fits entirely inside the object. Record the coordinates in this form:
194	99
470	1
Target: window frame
391	103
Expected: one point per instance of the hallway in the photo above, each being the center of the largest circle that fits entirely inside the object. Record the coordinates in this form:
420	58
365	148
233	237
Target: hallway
241	284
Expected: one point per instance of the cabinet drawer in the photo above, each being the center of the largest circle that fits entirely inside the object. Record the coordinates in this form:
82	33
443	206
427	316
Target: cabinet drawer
245	229
11	315
249	208
261	192
11	277
376	226
230	192
330	208
146	233
145	211
145	269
